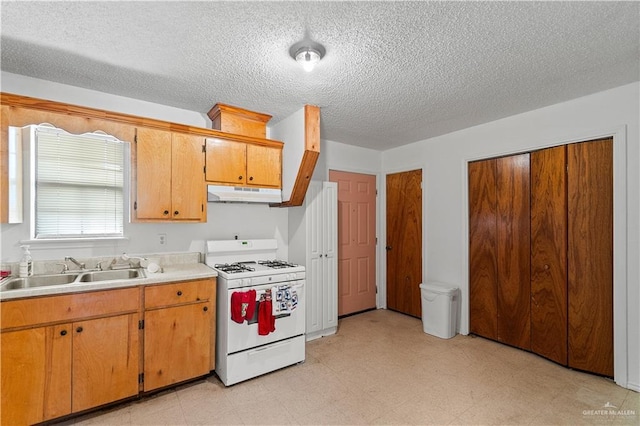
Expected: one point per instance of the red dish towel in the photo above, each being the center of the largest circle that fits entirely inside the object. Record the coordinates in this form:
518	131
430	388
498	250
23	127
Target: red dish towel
243	305
266	320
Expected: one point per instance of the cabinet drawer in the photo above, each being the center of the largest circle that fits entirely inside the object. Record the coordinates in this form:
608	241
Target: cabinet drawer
174	294
68	307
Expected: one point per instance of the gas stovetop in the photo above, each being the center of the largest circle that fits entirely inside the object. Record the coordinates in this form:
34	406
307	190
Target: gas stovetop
251	266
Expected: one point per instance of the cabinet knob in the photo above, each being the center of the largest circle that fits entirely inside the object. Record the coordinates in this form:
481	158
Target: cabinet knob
320	255
239	177
179	293
250	177
79	329
206	308
546	267
166	212
176	213
63	333
387	248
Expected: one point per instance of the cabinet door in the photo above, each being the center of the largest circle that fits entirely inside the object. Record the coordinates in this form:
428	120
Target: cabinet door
36	374
483	272
514	253
264	166
153	174
330	245
187	177
226	161
177	344
549	254
105	360
590	199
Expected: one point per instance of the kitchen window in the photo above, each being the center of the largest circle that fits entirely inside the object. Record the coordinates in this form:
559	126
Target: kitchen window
78	184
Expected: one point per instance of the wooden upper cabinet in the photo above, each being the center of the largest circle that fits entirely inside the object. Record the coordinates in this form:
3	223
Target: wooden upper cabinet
169	182
239	163
264	166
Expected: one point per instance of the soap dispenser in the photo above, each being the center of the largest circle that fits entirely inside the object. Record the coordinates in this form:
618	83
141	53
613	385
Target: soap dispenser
26	263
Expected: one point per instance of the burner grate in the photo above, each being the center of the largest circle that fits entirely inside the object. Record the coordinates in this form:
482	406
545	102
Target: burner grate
276	264
233	268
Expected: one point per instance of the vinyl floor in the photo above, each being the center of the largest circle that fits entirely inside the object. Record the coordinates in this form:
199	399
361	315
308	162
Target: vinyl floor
381	369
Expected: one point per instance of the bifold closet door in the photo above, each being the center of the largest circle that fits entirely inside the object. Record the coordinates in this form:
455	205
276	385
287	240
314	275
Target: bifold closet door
549	254
590	256
483	280
513	250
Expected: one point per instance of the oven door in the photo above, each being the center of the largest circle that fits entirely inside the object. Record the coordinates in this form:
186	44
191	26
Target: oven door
245	335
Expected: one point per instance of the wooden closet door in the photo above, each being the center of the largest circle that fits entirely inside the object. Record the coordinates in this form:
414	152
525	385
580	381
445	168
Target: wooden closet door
483	280
590	255
514	253
549	254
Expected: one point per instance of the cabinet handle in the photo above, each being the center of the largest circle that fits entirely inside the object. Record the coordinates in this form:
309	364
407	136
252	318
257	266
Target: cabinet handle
79	329
166	212
320	255
206	308
179	293
240	177
250	177
63	333
176	213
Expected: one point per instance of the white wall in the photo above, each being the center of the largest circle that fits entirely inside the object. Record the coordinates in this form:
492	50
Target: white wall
444	161
223	220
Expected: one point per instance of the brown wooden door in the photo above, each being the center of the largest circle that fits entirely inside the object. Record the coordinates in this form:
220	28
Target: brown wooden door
404	242
549	254
153	174
226	161
264	166
187	177
590	199
177	344
514	255
356	241
483	272
105	360
36	374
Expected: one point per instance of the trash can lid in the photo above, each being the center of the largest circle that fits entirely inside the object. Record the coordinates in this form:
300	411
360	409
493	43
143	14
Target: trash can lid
438	287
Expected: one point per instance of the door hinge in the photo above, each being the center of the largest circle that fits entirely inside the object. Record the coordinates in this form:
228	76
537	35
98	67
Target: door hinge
205	169
202	207
141	378
141	325
204	148
376	192
135	205
135	137
376	240
376	289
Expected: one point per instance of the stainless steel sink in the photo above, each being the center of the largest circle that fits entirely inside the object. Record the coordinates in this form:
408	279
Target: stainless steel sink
116	274
16	283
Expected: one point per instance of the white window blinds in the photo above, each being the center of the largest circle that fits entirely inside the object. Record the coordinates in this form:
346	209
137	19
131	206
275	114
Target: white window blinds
79	184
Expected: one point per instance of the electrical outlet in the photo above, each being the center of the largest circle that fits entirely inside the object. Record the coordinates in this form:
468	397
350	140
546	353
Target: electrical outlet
162	239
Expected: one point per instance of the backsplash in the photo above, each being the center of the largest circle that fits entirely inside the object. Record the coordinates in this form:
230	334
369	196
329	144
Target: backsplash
56	266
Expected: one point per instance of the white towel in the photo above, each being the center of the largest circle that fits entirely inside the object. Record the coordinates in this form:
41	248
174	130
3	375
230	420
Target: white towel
285	299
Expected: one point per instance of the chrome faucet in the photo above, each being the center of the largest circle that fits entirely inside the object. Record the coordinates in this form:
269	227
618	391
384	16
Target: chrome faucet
78	264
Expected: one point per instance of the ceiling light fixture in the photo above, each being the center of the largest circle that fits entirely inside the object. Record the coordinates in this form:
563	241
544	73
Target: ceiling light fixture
307	53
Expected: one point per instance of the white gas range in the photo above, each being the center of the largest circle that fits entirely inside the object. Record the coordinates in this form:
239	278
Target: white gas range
260	309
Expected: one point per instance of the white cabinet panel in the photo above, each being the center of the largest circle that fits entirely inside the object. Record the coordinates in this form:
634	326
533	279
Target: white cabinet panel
313	234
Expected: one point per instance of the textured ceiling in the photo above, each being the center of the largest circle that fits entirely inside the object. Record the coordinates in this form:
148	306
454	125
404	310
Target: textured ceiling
394	72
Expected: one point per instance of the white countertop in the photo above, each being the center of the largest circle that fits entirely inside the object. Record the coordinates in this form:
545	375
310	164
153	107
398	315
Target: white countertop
190	271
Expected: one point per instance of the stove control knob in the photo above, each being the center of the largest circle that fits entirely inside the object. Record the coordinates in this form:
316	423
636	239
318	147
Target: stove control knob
246	281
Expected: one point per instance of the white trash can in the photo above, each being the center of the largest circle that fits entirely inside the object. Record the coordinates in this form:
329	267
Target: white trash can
439	309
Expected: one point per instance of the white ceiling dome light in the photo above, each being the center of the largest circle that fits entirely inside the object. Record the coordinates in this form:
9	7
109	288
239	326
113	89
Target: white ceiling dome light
307	53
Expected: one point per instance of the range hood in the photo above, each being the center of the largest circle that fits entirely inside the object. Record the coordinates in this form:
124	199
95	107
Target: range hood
239	194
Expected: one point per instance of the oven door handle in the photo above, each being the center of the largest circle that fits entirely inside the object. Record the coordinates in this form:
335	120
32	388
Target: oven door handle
268	347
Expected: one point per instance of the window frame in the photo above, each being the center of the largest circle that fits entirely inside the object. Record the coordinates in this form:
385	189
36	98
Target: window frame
30	144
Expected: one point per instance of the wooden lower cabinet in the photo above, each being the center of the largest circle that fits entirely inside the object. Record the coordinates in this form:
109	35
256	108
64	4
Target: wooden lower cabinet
36	374
178	324
105	361
177	344
52	371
